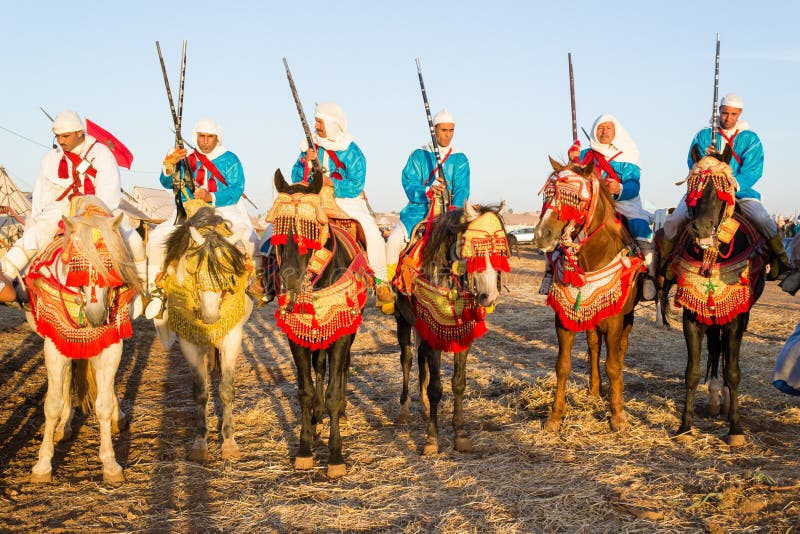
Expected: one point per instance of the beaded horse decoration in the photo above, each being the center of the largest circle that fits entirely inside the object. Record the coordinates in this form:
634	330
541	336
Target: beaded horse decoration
315	317
448	308
714	282
91	254
583	299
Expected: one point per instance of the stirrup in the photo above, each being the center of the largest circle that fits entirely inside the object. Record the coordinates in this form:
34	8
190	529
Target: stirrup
155	308
652	282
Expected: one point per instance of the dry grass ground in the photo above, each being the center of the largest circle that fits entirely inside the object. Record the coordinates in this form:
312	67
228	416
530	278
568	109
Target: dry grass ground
519	479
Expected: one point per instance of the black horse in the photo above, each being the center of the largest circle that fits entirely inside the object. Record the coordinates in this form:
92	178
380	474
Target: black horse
476	287
719	245
317	291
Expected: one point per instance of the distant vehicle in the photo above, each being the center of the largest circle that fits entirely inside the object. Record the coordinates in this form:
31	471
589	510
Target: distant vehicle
520	236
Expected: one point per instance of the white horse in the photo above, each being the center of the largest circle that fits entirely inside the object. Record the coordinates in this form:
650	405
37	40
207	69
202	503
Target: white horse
205	278
80	288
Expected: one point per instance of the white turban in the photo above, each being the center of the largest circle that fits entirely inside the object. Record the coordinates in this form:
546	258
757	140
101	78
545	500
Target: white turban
622	148
207	125
338	138
732	101
443	116
67	122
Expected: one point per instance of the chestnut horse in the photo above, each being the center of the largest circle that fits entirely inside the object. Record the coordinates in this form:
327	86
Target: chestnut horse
595	280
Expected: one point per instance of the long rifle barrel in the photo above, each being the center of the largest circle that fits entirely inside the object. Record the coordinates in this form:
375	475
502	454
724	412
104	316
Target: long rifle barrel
572	99
306	130
714	113
445	195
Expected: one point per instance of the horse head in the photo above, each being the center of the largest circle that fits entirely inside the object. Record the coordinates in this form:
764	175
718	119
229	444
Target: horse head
710	196
299	227
204	262
470	245
96	260
570	197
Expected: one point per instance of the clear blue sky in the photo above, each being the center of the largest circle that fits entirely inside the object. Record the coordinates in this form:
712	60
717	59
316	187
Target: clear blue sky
500	67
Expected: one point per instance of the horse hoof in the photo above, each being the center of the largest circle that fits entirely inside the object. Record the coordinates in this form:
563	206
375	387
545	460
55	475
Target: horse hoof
304	462
620	424
463	445
336	470
121	424
684	438
430	449
712	410
735	440
230	451
402	419
63	434
113	477
42	478
198	455
552	425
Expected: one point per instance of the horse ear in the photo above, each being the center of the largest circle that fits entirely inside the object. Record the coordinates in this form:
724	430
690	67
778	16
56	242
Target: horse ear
280	182
470	212
316	183
696	155
557	167
502	207
117	221
727	154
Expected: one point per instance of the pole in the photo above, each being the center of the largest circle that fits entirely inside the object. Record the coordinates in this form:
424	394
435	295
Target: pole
444	196
714	113
572	99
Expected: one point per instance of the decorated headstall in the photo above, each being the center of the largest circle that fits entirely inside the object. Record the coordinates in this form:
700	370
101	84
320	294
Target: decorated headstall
571	196
304	216
721	176
482	243
83	270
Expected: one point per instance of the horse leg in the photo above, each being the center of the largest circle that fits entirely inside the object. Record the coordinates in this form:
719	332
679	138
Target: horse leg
119	419
563	368
228	352
334	397
459	384
424	379
105	370
714	344
319	360
57	365
406	358
595	343
619	328
305	395
693	334
64	427
732	339
433	360
196	358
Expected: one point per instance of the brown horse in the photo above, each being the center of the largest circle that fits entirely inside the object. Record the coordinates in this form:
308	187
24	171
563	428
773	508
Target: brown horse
595	277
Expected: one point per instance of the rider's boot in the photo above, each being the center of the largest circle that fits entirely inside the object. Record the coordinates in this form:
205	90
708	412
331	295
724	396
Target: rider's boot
384	294
667	246
15	261
648	284
780	261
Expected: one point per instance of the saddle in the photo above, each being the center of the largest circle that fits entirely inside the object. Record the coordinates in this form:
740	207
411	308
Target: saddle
338	217
410	260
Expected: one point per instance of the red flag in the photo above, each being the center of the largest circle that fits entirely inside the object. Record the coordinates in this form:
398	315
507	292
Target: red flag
121	153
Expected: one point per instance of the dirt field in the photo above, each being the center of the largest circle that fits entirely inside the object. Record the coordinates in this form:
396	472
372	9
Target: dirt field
519	479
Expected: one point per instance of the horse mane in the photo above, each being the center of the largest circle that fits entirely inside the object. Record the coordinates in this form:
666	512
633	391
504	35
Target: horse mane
93	216
216	252
445	230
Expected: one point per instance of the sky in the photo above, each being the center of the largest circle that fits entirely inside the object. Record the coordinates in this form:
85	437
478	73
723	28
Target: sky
499	67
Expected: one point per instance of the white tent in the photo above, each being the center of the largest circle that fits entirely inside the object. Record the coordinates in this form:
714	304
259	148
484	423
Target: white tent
14	207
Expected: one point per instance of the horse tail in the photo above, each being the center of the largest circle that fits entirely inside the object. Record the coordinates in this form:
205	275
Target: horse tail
84	384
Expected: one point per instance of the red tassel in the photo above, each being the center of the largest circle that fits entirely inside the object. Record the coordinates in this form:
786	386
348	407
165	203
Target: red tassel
63	170
212	185
711	303
500	263
77	278
88	186
279	239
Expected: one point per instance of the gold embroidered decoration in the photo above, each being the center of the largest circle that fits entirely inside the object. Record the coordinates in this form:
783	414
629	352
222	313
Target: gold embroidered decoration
303	215
485	237
447	320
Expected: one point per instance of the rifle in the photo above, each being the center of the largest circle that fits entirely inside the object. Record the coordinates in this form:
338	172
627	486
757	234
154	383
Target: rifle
178	181
316	164
572	99
714	116
444	196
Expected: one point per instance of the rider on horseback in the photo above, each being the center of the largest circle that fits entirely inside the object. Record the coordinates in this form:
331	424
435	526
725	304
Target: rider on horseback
81	165
345	170
219	181
420	186
747	165
616	156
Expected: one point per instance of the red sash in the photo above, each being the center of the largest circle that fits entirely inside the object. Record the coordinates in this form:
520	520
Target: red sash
75	188
602	162
200	175
337	164
730	144
433	172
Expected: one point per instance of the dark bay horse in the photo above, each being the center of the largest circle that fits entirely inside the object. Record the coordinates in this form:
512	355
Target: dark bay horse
323	278
595	279
205	278
720	271
445	297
